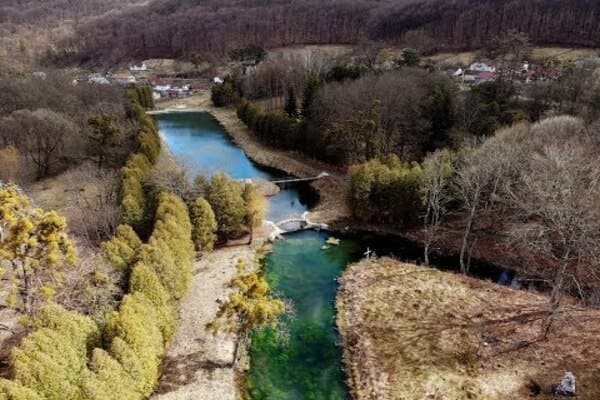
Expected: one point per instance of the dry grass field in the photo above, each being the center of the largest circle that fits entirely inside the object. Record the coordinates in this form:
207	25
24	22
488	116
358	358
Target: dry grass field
411	332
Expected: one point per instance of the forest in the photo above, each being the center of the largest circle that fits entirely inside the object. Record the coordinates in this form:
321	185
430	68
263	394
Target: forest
111	246
172	28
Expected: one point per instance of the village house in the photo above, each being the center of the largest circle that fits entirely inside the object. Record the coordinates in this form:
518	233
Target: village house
97	79
123	78
138	68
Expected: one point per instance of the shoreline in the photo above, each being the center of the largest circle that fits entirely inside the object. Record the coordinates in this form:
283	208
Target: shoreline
331	205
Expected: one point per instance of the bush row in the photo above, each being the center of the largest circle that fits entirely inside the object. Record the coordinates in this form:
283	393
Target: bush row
135	205
68	356
274	129
386	191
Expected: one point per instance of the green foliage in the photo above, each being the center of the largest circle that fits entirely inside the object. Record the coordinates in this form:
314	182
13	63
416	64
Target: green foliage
105	135
251	55
204	225
386	191
224	94
140	344
121	250
272	128
11	390
225	198
51	359
291	106
149	143
140	95
411	57
133	209
441	114
311	87
107	379
256	206
341	73
35	244
250	306
145	280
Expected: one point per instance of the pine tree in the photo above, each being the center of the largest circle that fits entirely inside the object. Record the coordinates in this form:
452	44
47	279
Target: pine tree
35	245
249	307
290	103
105	134
310	93
204	225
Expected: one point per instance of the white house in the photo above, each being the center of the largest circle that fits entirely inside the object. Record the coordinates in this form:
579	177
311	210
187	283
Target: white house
97	79
162	88
481	67
138	68
218	80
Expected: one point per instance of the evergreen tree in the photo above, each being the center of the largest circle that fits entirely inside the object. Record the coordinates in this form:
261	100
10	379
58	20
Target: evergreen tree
290	102
311	88
35	245
411	57
249	307
204	225
256	208
105	134
225	198
441	114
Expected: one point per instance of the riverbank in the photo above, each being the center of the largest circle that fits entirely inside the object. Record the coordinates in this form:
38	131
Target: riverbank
332	205
409	331
199	364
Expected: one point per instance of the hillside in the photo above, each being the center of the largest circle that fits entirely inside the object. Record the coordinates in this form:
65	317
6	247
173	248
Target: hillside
414	332
29	28
174	28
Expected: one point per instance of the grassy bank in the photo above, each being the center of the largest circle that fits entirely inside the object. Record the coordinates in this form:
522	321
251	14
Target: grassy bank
414	333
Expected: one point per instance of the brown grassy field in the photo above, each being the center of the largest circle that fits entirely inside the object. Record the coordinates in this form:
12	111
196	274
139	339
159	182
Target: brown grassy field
417	333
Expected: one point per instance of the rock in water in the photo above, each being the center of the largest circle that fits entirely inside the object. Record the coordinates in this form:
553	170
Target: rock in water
333	241
566	387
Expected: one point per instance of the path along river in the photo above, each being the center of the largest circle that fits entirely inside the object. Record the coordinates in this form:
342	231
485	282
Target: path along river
302	359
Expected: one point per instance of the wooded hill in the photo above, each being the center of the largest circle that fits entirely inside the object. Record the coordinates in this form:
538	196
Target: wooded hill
176	28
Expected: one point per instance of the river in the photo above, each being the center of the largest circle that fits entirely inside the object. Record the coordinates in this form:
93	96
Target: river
301	359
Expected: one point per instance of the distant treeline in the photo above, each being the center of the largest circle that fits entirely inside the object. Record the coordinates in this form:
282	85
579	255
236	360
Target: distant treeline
173	28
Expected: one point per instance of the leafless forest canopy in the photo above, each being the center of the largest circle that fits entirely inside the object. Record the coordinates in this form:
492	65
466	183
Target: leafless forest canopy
177	28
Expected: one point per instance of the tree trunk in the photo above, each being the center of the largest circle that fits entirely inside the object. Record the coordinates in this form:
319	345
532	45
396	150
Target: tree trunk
465	241
426	255
555	297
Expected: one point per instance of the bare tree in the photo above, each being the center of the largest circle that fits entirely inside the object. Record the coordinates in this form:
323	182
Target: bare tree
559	197
485	177
437	175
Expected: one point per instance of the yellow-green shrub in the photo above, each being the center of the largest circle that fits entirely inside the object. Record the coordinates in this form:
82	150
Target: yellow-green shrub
225	198
121	249
136	325
11	390
106	379
133	208
50	360
145	280
48	363
204	225
149	143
